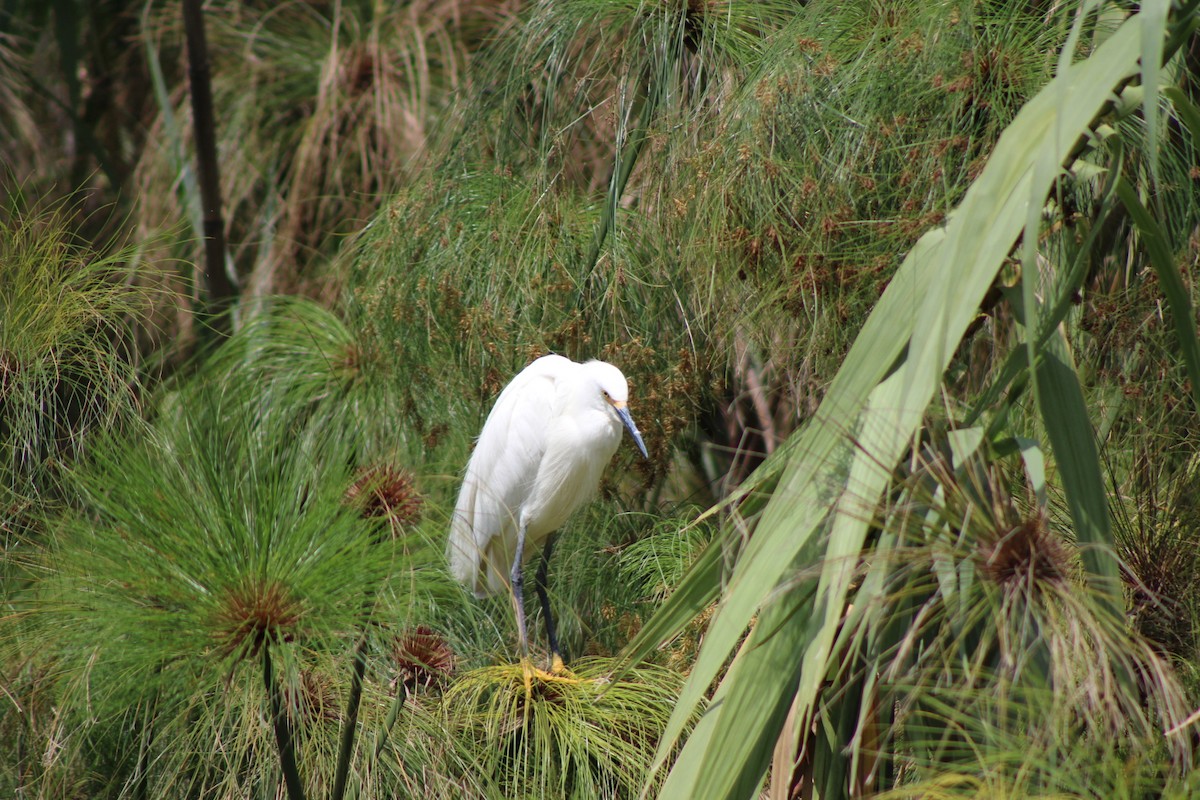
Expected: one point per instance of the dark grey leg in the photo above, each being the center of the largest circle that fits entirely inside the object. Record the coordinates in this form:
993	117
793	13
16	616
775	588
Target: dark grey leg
540	585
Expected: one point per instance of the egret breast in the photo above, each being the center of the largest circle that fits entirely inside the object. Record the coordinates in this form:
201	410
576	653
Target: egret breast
578	449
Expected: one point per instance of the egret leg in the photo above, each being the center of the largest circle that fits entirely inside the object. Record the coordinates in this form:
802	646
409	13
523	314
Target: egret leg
518	579
556	659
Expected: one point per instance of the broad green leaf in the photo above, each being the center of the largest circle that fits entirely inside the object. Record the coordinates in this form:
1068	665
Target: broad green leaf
1072	440
1015	371
940	284
887	426
746	714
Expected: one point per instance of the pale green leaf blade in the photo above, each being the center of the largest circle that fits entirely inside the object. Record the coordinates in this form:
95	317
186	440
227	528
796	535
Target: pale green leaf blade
746	714
964	442
1035	466
1154	30
886	430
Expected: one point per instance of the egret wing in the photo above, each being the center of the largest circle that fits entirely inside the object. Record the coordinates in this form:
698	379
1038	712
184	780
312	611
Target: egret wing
500	476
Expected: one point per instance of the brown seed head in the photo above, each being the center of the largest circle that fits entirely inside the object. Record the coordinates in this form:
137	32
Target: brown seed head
1025	555
423	658
387	491
253	612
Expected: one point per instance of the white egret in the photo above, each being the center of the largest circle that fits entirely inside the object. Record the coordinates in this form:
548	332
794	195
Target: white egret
539	457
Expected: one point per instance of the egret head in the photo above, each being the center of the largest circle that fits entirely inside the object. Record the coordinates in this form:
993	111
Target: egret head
615	391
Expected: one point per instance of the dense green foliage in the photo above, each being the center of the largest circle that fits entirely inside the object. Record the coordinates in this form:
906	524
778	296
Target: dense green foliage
905	293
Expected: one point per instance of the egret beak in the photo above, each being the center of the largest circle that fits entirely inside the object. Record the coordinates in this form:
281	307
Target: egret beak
627	420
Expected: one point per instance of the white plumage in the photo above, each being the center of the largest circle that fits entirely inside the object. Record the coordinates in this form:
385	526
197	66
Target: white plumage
540	456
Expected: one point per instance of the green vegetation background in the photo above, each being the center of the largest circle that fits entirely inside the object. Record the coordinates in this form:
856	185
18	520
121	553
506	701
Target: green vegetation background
905	293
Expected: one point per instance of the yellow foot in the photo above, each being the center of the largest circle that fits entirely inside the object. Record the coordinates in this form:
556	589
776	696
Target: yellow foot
558	673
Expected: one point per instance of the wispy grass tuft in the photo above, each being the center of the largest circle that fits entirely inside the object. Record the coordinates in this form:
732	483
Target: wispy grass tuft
468	278
971	633
860	129
579	736
1042	755
657	561
67	319
202	545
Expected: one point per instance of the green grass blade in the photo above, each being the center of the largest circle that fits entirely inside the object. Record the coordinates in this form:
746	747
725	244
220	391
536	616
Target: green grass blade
1165	267
174	131
284	735
350	725
1035	466
1188	113
1154	25
1070	432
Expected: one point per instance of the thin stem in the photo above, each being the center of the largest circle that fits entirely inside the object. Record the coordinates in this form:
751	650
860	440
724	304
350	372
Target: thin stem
652	89
624	167
283	730
350	728
389	721
219	289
